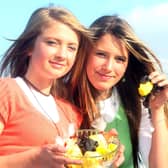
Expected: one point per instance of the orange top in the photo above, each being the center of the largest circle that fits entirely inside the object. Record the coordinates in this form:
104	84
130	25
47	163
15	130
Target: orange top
25	126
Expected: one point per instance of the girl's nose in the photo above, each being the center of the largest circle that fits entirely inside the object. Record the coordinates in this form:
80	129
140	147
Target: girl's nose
108	65
61	52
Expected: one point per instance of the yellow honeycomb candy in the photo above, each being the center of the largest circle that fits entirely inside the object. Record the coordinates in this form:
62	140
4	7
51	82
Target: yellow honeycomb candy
74	151
112	147
100	139
101	150
92	160
145	88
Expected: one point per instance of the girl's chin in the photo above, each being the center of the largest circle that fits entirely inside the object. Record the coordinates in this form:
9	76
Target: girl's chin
103	89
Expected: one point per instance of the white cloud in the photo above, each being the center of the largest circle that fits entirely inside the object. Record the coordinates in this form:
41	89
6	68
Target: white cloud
150	18
151	25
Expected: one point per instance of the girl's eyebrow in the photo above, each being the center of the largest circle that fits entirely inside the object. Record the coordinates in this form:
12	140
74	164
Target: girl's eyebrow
59	40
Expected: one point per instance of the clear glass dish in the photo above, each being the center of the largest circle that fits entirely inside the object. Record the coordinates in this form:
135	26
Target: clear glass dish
102	159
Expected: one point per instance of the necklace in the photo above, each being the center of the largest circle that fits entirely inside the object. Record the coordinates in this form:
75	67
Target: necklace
30	86
29	83
61	132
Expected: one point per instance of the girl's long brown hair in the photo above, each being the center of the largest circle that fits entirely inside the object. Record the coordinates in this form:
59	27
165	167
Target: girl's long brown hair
142	61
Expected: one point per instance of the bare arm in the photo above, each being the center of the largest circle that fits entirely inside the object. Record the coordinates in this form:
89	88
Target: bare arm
159	149
158	157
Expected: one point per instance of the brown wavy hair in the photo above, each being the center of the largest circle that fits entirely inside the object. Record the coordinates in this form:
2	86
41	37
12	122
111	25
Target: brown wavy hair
142	61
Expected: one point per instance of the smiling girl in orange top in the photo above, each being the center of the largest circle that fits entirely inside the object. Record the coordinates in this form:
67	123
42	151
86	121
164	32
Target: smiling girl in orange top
33	120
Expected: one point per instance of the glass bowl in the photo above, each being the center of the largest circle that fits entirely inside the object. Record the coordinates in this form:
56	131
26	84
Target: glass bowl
103	154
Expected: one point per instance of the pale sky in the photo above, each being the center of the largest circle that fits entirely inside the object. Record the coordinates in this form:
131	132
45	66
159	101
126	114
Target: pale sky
149	18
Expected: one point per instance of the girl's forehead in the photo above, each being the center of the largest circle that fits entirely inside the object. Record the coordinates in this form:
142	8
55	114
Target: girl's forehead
111	43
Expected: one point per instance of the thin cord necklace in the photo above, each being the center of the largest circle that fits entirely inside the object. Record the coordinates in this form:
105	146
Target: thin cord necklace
29	83
60	130
30	86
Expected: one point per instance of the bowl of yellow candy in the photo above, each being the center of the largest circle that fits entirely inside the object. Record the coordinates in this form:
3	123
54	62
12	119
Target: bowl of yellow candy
96	149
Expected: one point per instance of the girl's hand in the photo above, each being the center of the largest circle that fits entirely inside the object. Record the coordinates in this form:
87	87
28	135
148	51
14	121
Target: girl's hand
120	157
159	97
53	156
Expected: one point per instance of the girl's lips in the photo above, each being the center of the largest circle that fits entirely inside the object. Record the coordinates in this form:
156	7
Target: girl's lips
104	76
56	64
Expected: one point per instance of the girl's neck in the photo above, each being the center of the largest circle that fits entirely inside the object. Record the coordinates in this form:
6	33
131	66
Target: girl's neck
40	86
102	95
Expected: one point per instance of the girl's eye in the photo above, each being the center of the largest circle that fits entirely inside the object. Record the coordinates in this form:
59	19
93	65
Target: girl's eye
100	54
72	48
121	59
50	42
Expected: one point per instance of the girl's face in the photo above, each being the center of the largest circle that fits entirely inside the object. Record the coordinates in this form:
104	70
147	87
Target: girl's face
54	52
107	63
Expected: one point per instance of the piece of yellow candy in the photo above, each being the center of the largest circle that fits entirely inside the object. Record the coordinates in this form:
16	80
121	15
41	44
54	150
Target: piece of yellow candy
112	147
74	151
100	139
101	150
145	88
92	159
